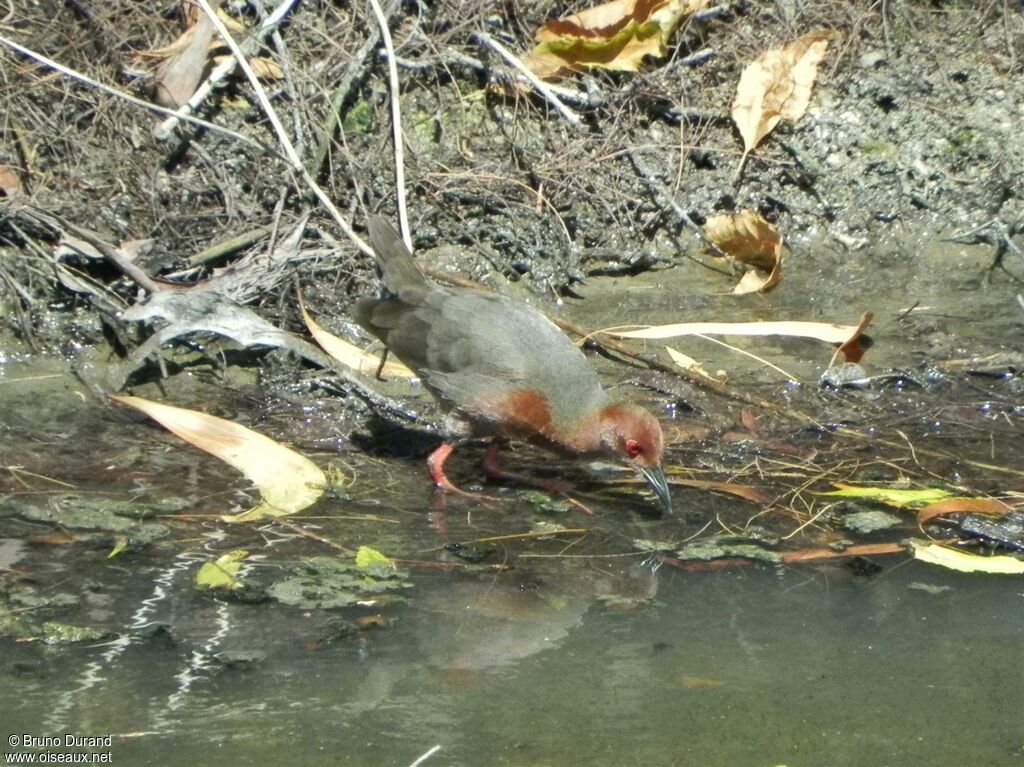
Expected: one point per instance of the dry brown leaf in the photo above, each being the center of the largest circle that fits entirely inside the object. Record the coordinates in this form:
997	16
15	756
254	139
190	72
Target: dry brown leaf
777	86
616	35
748	238
988	506
748	492
191	17
184	61
10	183
264	68
288	482
864	550
854	347
179	45
755	281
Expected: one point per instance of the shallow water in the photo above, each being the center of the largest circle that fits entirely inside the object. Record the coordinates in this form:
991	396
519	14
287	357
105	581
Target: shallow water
584	652
725	668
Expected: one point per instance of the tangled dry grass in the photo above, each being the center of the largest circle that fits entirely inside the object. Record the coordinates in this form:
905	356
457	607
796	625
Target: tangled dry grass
489	165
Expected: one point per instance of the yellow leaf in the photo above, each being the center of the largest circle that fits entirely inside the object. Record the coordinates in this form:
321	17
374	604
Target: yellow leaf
120	546
350	355
223	572
617	35
748	238
898	497
777	86
287	481
934	554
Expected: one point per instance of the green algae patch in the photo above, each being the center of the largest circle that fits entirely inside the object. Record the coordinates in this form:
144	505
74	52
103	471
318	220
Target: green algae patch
329	583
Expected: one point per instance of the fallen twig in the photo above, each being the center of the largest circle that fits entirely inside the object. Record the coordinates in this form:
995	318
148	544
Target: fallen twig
291	155
396	124
83	78
108	251
542	88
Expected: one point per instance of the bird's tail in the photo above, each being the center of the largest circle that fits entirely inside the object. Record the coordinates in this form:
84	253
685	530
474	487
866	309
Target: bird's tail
397	266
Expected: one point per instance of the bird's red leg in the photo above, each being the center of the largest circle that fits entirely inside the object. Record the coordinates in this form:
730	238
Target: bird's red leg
435	465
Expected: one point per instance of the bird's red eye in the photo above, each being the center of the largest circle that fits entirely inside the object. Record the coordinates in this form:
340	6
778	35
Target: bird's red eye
633	448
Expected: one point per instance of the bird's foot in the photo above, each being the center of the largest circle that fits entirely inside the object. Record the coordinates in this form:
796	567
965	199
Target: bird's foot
444	488
443	485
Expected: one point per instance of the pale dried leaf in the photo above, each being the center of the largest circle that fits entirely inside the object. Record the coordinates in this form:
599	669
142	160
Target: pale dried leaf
288	482
69	246
179	45
231	24
598	21
776	86
178	77
266	68
822	331
350	355
185	38
182	313
853	348
263	67
687	362
756	281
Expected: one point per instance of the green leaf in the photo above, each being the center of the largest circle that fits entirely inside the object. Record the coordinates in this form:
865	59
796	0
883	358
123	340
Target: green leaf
223	572
899	498
119	546
369	559
359	118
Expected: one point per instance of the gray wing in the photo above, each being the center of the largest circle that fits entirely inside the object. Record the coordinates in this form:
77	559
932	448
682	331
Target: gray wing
470	345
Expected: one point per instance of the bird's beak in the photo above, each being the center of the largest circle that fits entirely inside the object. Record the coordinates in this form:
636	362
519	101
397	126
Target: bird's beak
655	477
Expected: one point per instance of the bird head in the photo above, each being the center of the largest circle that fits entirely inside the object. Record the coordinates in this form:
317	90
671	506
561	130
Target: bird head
630	434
